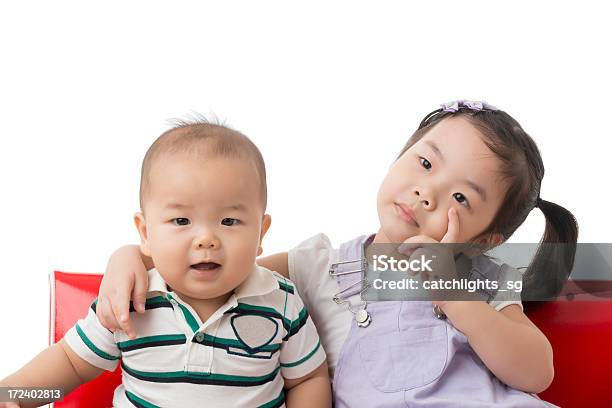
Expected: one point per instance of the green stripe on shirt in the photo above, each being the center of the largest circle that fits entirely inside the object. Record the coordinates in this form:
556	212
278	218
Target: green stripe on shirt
214	341
245	308
276	402
285	287
139	402
200	378
297	324
191	321
305	358
93	347
152	341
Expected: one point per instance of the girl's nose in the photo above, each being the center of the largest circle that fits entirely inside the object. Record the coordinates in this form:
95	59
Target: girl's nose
208	241
425	198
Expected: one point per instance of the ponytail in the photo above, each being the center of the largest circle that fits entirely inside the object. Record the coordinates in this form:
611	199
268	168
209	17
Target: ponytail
552	264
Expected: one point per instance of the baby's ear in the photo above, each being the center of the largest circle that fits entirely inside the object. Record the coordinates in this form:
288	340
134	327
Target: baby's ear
265	225
141	226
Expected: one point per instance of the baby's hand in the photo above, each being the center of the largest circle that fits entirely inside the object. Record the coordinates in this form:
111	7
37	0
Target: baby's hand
125	277
7	404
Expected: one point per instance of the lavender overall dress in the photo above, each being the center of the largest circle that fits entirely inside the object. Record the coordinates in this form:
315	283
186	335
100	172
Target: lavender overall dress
407	357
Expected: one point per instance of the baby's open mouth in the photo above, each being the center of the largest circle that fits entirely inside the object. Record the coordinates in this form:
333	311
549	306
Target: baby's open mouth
206	266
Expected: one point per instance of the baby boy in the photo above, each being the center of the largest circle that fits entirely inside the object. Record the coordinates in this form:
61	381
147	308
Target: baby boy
218	330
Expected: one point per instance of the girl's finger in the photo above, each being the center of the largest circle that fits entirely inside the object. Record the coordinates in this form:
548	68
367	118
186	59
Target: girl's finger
452	234
105	314
139	293
121	311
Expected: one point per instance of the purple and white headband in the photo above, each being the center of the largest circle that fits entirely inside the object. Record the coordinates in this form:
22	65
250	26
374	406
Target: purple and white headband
477	106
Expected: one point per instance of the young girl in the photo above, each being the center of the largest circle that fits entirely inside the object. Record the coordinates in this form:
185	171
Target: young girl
470	173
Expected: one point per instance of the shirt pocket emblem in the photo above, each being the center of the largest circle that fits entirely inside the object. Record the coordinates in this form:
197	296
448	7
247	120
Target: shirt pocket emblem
254	332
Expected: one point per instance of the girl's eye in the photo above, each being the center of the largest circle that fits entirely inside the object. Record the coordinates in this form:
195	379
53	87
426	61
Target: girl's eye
181	221
461	199
229	222
425	163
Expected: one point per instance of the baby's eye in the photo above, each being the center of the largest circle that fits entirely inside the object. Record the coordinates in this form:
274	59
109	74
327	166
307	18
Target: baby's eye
461	199
181	221
425	163
229	221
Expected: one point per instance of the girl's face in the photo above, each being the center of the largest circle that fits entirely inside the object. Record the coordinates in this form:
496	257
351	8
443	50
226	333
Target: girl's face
449	167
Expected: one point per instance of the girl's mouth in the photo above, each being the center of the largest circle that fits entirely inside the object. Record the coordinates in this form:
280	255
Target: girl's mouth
406	214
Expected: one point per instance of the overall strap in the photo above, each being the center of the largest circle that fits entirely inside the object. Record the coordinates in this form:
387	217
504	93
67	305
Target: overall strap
351	253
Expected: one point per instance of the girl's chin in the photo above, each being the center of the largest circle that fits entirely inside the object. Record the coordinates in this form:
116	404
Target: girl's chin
394	235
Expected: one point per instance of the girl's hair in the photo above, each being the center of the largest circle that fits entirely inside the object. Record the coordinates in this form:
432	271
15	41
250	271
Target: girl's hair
522	168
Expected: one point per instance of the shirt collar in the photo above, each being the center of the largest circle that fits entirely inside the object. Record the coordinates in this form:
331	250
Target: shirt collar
260	281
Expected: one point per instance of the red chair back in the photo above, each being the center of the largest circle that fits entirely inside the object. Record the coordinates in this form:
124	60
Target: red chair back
71	296
580	332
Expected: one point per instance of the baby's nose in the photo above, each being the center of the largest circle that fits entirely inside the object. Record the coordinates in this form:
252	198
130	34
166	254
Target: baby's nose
208	241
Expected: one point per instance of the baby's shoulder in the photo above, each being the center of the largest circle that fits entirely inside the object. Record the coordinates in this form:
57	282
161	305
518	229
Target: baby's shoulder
285	297
285	285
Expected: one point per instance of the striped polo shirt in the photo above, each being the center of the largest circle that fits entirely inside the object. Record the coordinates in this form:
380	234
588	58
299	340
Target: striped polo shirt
237	358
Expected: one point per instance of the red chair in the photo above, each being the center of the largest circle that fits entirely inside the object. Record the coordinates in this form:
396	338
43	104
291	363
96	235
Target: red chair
580	332
71	296
579	327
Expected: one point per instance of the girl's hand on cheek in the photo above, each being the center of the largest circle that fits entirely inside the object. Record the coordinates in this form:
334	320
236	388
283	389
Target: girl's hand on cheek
442	257
451	236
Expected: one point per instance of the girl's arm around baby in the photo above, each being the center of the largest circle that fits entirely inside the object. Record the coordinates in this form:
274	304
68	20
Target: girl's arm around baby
56	367
510	345
126	279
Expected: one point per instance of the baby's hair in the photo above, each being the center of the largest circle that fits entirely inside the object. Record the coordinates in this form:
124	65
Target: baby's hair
522	168
198	136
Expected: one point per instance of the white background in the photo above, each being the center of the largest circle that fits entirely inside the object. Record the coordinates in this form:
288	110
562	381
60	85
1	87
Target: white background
329	92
